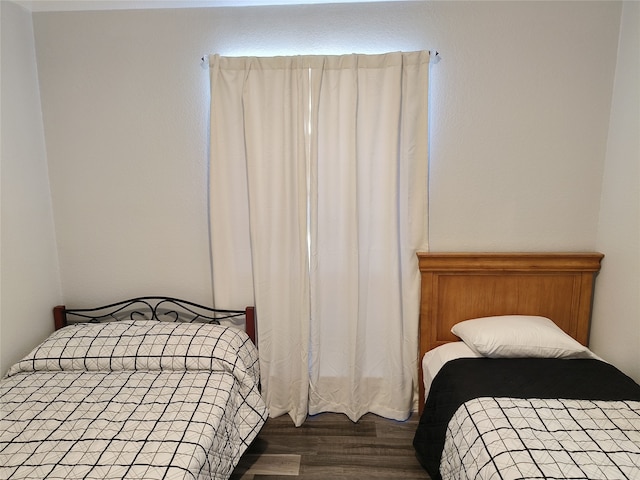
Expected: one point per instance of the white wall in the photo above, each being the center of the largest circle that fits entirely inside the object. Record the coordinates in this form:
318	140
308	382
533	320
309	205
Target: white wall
616	325
29	280
520	111
520	123
521	103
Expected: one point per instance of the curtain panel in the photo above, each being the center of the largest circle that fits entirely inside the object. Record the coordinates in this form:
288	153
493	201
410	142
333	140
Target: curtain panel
318	192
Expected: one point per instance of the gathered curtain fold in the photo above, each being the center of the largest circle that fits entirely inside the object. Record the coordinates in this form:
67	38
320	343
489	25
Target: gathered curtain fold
318	205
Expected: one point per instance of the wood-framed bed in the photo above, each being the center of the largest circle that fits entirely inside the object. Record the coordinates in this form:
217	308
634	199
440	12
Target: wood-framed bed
145	388
494	412
459	286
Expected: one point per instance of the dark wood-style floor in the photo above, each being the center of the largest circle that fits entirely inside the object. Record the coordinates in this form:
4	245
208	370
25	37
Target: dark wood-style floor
331	447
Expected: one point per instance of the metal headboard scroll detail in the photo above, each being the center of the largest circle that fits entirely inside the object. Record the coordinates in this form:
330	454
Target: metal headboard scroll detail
160	309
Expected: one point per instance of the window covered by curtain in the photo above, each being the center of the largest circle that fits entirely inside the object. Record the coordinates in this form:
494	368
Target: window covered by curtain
318	190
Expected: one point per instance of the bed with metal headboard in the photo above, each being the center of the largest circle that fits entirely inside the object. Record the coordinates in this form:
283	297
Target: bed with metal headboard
144	388
157	308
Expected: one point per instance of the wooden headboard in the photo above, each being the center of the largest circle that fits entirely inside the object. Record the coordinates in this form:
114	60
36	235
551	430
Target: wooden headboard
460	286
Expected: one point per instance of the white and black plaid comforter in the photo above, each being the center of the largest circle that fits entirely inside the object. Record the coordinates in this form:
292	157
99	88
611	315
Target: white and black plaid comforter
509	438
465	379
135	400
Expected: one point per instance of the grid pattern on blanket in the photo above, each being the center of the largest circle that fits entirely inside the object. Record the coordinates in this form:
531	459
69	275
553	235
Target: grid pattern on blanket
509	438
139	400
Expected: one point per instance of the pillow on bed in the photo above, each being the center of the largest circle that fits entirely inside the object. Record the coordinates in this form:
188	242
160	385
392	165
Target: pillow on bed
511	336
143	345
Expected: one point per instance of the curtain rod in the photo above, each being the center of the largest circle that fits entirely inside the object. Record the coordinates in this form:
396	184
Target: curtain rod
204	60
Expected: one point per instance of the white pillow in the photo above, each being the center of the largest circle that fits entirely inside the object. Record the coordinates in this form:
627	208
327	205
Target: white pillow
512	336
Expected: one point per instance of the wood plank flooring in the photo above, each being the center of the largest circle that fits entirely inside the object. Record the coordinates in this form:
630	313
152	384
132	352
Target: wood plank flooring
330	446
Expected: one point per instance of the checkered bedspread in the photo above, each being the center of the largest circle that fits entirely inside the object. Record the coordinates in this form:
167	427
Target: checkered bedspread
135	400
508	438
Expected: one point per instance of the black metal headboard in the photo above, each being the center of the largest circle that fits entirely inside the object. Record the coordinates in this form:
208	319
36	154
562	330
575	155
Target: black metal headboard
156	308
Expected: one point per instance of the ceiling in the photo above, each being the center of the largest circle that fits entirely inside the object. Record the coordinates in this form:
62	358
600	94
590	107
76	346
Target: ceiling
71	5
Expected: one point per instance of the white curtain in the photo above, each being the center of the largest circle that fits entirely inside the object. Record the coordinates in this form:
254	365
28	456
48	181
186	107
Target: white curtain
318	190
